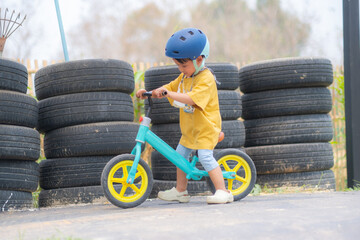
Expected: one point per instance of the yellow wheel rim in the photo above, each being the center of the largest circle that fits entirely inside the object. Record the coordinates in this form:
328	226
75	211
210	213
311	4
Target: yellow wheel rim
235	163
118	186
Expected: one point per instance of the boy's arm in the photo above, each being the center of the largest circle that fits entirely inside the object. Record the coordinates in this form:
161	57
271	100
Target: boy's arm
181	97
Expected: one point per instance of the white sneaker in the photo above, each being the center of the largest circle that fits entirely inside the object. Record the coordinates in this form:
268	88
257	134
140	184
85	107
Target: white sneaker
220	196
174	195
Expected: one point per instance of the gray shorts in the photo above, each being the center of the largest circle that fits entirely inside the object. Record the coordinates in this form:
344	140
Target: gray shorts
206	156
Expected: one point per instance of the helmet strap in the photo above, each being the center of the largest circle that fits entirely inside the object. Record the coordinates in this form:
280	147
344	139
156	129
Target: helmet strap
198	68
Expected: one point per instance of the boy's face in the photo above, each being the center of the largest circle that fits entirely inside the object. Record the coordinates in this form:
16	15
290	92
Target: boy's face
187	67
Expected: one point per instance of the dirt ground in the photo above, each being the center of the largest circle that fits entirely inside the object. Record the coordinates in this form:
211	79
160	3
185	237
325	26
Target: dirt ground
325	215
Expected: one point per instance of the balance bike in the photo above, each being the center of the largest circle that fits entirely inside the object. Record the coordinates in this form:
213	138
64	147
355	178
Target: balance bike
127	180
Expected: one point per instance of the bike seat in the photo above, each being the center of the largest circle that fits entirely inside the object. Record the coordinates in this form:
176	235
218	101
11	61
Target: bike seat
221	136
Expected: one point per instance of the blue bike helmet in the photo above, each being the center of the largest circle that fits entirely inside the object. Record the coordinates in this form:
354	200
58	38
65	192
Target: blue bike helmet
188	43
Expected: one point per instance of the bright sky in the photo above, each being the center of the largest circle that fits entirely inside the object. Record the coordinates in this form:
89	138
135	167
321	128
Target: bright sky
325	17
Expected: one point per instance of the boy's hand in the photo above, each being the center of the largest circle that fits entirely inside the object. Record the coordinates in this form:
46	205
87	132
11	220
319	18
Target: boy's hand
139	94
159	92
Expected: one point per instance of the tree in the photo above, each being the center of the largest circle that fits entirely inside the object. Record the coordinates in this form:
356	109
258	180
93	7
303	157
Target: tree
237	33
240	34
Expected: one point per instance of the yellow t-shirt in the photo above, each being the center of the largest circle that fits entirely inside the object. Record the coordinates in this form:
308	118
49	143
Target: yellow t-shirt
200	129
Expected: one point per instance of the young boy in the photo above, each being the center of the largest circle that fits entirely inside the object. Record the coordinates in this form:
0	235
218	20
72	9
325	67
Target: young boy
195	93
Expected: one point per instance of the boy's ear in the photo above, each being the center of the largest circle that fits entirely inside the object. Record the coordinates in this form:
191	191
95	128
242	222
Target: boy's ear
199	59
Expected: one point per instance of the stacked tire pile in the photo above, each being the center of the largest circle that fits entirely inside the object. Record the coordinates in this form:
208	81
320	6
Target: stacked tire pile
285	106
86	114
19	141
165	119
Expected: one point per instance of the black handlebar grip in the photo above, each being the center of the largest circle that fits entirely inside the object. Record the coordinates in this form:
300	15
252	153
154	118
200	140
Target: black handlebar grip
147	94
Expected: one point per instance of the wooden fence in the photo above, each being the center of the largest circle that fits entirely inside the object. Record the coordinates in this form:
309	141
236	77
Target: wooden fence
337	114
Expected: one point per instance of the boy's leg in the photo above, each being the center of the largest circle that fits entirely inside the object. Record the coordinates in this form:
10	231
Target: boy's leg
179	193
210	164
217	178
181	180
222	195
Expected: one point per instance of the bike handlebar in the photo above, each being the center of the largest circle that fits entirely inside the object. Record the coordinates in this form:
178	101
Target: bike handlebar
149	94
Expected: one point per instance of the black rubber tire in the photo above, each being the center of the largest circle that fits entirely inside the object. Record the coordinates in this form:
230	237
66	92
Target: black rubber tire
15	200
324	180
226	74
76	195
240	172
286	73
288	129
93	139
19	143
234	134
13	76
284	102
18	109
193	188
72	172
19	175
88	75
104	182
158	76
81	108
289	158
162	112
234	131
229	102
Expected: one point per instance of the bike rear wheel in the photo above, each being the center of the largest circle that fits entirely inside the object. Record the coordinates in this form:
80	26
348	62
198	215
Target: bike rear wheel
117	190
234	160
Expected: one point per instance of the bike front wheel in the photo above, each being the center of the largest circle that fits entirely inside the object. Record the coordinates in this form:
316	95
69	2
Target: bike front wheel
234	160
117	190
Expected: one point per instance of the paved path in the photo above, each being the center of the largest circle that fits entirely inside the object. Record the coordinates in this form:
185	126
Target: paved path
329	215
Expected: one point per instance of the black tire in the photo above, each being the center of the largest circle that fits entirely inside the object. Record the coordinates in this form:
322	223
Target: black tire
284	102
288	129
286	73
76	195
146	179
324	180
289	158
19	175
88	75
18	109
93	139
72	172
230	104
193	188
81	108
226	74
247	172
158	76
19	143
13	76
162	112
234	134
15	200
234	131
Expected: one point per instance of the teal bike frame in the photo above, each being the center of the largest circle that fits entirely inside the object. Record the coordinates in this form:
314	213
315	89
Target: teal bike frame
146	135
